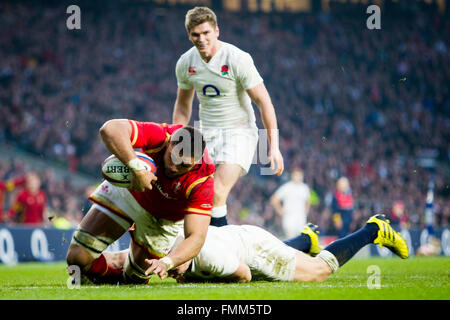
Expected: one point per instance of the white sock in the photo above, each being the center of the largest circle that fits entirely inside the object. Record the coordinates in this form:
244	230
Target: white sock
219	212
330	259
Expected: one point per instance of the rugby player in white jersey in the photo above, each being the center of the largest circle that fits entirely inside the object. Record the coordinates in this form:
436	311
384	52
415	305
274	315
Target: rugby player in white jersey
226	82
247	253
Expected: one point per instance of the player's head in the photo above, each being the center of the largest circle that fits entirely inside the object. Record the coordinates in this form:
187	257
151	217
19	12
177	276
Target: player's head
297	175
343	185
33	182
203	31
185	150
398	208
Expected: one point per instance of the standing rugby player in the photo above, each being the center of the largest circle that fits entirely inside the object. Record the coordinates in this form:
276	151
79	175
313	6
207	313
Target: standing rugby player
226	82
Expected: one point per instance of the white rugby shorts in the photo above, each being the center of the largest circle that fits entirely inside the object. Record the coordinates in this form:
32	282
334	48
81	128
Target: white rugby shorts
157	235
268	257
232	145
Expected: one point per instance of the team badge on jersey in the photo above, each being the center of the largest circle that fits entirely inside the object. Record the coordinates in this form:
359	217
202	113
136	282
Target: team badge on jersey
224	70
177	187
191	70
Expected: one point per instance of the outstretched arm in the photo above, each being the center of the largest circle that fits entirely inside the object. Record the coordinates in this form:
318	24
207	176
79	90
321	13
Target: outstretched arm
195	230
276	203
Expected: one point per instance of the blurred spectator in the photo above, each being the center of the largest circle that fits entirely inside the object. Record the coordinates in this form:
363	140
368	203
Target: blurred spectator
342	207
292	202
30	205
398	216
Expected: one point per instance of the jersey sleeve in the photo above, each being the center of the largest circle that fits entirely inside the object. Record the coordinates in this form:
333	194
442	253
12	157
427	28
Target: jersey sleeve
200	194
307	193
248	76
181	74
281	192
148	135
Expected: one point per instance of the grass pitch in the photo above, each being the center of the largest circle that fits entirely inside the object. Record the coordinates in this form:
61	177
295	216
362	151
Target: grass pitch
425	278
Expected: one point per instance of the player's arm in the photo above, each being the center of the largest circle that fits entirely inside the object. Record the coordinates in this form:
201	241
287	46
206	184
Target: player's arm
183	106
261	98
195	230
275	201
242	274
307	207
116	135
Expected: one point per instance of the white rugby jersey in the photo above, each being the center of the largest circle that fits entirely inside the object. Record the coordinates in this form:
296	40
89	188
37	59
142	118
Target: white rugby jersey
294	197
221	253
225	247
220	85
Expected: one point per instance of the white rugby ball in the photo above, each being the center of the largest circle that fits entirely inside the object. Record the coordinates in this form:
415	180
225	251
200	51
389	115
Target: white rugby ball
118	174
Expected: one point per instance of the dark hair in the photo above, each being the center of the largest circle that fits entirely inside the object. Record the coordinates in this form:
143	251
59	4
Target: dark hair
193	143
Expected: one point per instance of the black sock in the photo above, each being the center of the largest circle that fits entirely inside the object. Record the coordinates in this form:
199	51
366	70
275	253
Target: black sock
344	249
219	222
301	242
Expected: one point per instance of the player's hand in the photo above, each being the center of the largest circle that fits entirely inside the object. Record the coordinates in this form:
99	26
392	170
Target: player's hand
156	267
174	273
276	161
142	180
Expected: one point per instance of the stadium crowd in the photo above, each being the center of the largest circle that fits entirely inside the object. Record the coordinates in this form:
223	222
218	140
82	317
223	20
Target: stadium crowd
371	105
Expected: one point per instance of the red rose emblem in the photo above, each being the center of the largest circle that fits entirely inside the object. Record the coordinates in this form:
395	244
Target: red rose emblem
224	69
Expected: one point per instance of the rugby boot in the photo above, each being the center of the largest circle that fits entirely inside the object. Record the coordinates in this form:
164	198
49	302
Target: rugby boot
388	237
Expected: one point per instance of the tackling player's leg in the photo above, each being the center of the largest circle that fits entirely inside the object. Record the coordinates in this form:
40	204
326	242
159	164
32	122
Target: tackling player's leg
225	177
377	230
94	234
134	265
307	241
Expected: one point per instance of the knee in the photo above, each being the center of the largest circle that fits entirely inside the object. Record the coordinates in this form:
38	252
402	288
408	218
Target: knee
77	255
321	272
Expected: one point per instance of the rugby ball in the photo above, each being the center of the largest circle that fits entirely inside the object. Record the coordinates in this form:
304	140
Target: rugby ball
118	174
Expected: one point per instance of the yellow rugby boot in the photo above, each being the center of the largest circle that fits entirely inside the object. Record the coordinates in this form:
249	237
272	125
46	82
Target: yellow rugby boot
388	237
313	232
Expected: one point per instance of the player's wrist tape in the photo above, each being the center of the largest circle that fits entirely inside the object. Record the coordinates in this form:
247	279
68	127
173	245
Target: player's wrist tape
168	262
136	165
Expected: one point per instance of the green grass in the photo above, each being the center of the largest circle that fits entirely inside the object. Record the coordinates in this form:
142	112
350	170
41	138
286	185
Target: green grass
415	278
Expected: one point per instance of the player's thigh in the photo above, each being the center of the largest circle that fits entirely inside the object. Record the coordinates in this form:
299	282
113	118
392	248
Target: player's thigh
98	223
310	268
95	232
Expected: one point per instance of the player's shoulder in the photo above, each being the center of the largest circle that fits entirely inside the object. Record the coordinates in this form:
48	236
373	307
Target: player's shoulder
188	56
233	49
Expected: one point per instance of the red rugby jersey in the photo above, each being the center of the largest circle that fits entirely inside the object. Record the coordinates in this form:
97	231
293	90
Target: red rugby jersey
171	199
31	205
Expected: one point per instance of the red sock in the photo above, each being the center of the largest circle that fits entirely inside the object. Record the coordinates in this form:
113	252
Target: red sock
101	272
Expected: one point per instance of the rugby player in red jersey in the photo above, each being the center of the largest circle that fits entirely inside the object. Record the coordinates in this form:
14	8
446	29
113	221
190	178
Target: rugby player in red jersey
30	204
156	208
